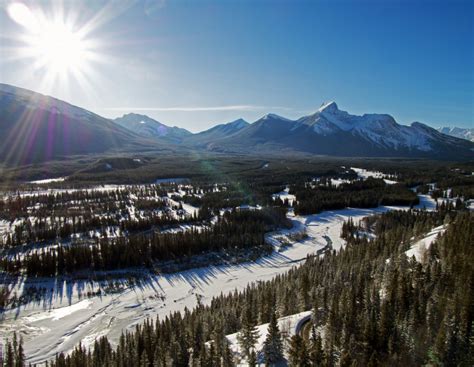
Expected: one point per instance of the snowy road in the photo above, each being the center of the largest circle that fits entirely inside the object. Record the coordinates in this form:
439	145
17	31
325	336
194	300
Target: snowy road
67	317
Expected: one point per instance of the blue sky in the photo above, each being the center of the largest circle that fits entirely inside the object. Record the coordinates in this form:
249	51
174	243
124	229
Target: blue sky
198	63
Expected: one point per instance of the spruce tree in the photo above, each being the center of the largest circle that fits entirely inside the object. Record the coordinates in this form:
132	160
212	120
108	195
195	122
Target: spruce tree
20	354
9	355
248	335
316	352
298	352
252	360
273	346
346	360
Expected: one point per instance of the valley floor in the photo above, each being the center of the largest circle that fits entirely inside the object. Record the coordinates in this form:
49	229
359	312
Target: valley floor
68	317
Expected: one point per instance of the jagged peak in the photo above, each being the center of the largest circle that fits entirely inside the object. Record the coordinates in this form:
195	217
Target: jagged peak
328	107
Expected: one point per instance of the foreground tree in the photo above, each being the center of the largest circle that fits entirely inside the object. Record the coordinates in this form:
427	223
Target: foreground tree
273	346
316	352
298	353
248	334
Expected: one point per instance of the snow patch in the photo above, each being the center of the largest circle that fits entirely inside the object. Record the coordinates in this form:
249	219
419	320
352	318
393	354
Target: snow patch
48	180
288	325
285	195
419	248
365	174
60	313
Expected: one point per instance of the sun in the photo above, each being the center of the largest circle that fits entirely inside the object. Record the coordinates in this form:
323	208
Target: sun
54	46
58	49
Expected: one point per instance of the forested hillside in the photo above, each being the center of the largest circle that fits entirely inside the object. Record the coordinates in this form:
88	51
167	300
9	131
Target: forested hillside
232	232
372	305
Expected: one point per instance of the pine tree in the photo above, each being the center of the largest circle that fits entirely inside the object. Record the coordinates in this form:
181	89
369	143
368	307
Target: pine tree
304	355
273	346
20	355
227	358
9	355
373	362
252	360
248	335
346	360
298	352
223	350
316	352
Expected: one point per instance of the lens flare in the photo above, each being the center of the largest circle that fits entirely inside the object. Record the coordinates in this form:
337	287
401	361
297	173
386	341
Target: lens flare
21	14
55	46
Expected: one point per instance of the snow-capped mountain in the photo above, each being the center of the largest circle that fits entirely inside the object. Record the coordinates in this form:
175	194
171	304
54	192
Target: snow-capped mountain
331	131
148	127
379	129
217	132
458	132
35	128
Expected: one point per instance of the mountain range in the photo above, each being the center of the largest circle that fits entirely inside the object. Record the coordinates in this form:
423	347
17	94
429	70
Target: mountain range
330	131
458	132
36	128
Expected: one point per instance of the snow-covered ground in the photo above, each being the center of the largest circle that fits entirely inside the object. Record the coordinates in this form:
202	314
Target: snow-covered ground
470	204
285	195
42	191
288	326
83	319
364	174
339	181
48	180
419	247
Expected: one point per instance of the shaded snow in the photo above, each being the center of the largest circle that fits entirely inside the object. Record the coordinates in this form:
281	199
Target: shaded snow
158	295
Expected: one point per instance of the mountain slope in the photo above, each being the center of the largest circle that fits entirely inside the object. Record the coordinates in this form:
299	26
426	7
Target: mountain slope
217	132
458	132
37	128
330	131
148	127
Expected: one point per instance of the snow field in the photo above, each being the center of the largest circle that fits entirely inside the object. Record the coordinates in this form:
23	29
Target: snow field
111	313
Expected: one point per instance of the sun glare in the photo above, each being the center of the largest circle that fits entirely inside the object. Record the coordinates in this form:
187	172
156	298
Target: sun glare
51	43
58	49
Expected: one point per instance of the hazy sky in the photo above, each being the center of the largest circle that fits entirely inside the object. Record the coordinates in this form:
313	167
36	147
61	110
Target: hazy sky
198	63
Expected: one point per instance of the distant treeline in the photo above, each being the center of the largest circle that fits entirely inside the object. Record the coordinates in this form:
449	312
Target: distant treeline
359	194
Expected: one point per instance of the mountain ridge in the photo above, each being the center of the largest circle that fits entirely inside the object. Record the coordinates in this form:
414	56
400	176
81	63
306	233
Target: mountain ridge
219	131
366	135
38	128
458	132
146	126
